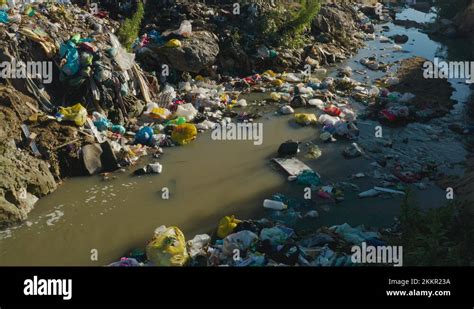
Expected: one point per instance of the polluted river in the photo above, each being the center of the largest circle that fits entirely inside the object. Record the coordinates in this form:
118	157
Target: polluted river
209	179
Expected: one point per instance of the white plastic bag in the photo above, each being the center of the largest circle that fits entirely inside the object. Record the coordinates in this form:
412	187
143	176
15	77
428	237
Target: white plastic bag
124	59
185	29
187	111
241	241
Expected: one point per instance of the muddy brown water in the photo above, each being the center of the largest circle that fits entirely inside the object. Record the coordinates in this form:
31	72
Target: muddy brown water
209	179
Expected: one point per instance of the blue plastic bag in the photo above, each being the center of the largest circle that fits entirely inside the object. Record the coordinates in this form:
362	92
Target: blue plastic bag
144	136
3	17
118	129
69	51
102	124
309	178
156	37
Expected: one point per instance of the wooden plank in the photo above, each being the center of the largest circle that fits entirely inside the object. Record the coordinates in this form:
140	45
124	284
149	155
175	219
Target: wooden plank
292	166
141	82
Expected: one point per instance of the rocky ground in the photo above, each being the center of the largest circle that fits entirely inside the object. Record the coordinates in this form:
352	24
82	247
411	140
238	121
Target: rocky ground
23	177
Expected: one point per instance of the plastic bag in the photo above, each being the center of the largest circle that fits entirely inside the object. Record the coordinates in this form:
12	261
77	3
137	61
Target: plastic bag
277	235
275	96
124	59
125	262
185	29
116	128
197	244
178	121
70	53
308	177
3	17
329	120
332	110
270	73
76	113
306	119
173	43
144	136
168	247
242	241
184	133
102	123
187	111
160	113
354	235
227	226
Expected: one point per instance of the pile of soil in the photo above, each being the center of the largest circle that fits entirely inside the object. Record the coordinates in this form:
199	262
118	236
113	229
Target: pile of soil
432	95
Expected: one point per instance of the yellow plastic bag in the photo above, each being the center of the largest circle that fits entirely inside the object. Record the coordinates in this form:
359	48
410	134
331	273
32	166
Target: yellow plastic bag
160	113
168	247
173	43
184	133
199	78
277	82
76	113
306	119
270	73
275	96
227	226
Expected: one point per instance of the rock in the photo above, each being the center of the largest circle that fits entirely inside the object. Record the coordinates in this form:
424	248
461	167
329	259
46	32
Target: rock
464	21
152	168
399	39
352	151
195	54
456	127
446	22
288	148
450	32
298	101
23	179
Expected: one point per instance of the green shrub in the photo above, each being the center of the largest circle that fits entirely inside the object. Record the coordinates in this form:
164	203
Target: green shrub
130	28
286	26
441	236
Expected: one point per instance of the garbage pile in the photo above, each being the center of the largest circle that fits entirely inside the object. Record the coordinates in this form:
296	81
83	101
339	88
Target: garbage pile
213	39
261	242
90	71
69	97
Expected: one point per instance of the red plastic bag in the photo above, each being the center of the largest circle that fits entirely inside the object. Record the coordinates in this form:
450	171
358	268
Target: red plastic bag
332	110
389	115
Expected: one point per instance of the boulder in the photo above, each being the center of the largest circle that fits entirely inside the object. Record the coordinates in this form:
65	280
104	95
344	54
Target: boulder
196	53
399	39
464	21
23	179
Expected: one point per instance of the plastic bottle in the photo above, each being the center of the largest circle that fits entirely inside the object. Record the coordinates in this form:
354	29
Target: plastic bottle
271	204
